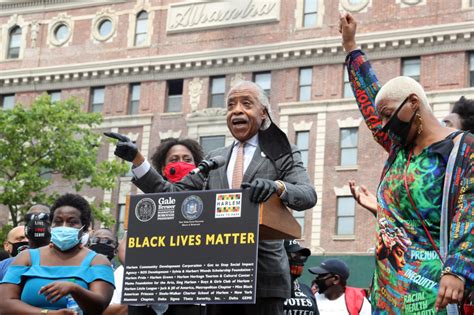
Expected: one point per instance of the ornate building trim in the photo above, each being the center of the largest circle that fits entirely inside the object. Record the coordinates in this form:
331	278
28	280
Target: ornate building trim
381	45
39	6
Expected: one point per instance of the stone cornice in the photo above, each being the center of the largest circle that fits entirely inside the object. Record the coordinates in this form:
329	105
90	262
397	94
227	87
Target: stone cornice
35	6
380	45
349	104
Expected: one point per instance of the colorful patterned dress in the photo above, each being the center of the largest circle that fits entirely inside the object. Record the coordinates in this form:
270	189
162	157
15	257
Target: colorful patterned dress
408	268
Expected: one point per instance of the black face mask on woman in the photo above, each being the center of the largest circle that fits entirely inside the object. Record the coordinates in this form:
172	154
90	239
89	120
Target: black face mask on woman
397	129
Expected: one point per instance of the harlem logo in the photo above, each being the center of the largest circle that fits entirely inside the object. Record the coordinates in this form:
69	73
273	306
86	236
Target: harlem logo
228	205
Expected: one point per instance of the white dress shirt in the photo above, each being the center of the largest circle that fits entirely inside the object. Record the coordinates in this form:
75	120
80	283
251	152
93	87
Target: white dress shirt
249	149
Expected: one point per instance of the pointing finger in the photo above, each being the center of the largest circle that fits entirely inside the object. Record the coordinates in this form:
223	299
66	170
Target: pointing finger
115	135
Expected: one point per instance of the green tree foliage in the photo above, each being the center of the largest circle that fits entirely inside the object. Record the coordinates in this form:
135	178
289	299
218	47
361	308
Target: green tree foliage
47	140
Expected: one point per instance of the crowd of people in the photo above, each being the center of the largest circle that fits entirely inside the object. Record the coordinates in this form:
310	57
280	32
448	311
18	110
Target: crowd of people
423	208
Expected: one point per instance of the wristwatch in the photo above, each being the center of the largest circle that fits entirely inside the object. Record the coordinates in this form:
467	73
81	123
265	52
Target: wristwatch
281	187
447	271
44	311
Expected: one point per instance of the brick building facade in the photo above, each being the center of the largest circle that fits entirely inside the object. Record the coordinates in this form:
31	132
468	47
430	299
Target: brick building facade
160	68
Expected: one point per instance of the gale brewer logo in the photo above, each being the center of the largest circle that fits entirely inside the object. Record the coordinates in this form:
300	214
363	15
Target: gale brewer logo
192	208
228	205
145	209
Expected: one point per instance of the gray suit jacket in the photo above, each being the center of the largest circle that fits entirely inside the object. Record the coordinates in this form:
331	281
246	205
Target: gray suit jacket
273	275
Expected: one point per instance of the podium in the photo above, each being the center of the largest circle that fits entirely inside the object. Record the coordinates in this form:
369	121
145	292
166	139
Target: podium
275	220
198	246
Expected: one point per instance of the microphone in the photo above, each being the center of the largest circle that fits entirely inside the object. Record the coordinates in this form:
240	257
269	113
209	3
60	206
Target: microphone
206	166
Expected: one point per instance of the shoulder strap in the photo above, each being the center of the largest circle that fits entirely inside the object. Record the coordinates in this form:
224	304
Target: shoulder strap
448	179
88	259
354	300
35	256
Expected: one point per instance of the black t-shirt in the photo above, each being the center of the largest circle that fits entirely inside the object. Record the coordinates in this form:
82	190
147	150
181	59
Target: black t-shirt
302	301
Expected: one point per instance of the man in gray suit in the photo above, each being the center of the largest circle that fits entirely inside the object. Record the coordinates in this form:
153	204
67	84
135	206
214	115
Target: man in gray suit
249	121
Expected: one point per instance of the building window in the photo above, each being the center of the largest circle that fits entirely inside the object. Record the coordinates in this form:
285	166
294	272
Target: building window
8	101
264	79
299	216
210	143
302	142
14	43
175	95
310	14
471	3
217	92
411	68
134	99
471	69
345	216
55	96
97	99
105	28
141	28
347	85
120	228
306	79
61	33
349	146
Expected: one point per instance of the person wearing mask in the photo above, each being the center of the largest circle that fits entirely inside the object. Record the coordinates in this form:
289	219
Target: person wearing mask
37	231
333	295
174	158
302	301
261	160
461	117
430	206
45	280
16	241
104	242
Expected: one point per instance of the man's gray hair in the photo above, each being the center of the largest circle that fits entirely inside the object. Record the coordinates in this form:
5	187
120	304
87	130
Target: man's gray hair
261	97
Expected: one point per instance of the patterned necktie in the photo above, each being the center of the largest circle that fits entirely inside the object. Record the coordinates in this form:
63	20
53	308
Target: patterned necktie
238	172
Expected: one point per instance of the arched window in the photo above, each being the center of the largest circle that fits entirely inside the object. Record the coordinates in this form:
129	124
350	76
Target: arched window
14	43
141	28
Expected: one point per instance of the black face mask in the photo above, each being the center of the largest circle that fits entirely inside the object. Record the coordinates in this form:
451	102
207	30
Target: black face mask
399	130
274	143
18	247
104	249
38	231
322	286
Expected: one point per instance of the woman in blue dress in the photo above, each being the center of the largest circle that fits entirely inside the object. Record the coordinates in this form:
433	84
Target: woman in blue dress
40	281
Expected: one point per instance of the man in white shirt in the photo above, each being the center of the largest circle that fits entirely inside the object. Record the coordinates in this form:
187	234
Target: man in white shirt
333	296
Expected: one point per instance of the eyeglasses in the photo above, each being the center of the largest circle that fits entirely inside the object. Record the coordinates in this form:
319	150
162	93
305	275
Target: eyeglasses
390	120
42	216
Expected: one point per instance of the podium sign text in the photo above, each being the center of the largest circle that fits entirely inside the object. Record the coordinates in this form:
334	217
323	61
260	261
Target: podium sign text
191	247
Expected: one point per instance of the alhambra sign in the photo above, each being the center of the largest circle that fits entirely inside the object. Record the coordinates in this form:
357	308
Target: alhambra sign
201	15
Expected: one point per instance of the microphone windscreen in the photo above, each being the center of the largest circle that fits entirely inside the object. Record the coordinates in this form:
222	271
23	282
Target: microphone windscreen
219	161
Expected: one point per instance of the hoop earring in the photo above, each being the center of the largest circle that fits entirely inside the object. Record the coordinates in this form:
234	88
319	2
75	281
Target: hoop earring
420	124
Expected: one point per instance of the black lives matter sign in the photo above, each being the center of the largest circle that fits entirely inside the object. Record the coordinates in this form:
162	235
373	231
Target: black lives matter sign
191	247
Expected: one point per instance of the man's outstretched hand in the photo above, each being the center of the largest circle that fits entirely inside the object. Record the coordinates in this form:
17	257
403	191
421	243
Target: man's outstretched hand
125	148
347	27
